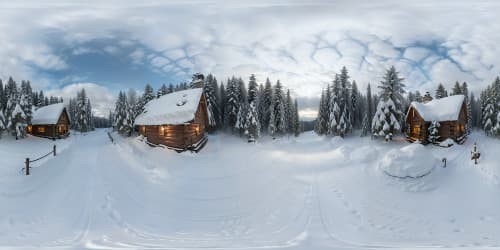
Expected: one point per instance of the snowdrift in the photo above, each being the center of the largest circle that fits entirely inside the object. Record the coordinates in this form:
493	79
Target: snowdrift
409	161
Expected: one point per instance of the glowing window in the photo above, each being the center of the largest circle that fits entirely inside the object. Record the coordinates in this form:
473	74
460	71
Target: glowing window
416	129
41	129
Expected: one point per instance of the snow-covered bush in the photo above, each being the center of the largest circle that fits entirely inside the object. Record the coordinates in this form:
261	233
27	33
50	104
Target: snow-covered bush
447	143
434	132
409	161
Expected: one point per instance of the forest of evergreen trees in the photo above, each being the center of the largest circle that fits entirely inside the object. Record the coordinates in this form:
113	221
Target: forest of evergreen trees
249	110
343	108
254	109
18	102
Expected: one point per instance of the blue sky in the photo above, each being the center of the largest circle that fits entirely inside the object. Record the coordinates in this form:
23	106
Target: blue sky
107	46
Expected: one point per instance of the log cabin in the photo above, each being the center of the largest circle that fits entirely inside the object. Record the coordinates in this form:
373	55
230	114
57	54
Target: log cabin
51	121
177	120
450	112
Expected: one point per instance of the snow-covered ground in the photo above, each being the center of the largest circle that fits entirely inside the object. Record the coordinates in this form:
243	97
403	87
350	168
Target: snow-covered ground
299	193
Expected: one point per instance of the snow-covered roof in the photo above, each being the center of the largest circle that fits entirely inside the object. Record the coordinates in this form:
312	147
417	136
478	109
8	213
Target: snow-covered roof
48	114
174	108
444	109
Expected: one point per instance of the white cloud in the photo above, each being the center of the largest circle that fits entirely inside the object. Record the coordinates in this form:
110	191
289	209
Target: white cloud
302	43
102	99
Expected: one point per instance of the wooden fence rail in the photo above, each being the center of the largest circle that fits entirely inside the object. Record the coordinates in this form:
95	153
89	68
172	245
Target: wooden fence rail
28	161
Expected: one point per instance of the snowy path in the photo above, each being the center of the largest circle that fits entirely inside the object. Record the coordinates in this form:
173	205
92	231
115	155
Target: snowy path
309	193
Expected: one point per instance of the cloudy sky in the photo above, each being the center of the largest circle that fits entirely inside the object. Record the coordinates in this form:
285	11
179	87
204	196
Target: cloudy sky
106	47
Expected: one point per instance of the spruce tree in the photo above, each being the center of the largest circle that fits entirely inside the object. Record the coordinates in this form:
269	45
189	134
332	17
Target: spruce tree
389	114
211	99
367	119
252	121
265	107
440	92
434	132
279	109
232	103
296	118
457	89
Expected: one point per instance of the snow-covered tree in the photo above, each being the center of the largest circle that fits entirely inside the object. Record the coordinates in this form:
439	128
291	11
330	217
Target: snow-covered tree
367	119
252	117
440	92
252	123
82	112
434	132
288	113
296	119
210	91
279	109
322	118
389	114
264	107
457	89
17	122
241	123
488	114
232	103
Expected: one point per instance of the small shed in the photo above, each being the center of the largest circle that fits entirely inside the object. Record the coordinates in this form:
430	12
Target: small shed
450	112
51	121
177	120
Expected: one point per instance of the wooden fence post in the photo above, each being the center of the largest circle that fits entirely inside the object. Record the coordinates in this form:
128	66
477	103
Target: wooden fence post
27	166
54	150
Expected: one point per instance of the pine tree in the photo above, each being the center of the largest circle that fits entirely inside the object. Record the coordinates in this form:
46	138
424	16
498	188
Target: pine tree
232	104
322	118
161	91
367	120
440	92
465	91
26	100
389	114
334	109
488	111
17	122
418	96
265	107
457	89
82	114
41	99
356	114
222	105
252	121
345	124
296	118
289	123
279	109
434	132
241	123
209	90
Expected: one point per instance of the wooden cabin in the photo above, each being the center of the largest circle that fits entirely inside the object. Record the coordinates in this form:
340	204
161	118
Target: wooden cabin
450	112
51	121
177	120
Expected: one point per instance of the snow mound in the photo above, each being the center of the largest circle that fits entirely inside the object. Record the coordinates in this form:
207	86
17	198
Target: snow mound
447	143
336	140
409	161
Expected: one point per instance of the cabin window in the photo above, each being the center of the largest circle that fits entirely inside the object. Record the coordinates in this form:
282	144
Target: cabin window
30	129
197	129
142	129
162	130
41	129
416	130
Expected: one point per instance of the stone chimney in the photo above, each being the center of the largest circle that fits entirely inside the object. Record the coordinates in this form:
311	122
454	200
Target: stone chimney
198	81
427	97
